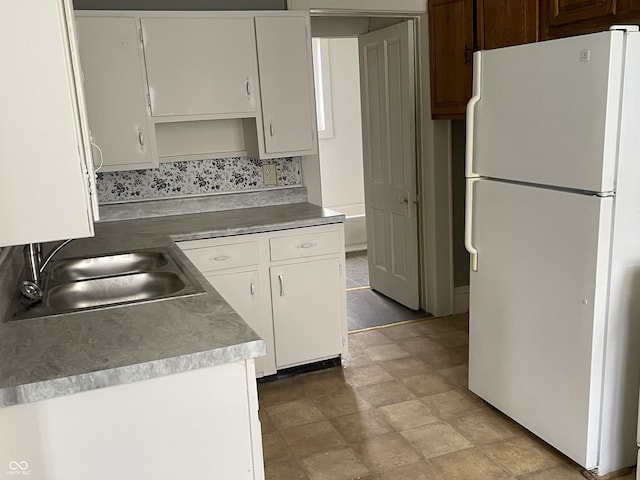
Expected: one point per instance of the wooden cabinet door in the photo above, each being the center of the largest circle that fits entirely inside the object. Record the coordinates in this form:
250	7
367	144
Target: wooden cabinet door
200	66
286	86
116	93
502	23
562	12
629	7
451	56
307	312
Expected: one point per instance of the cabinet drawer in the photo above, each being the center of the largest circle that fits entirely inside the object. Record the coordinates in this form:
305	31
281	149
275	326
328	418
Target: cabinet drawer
297	246
224	256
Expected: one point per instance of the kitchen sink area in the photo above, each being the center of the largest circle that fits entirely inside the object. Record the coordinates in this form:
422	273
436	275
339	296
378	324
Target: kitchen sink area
83	283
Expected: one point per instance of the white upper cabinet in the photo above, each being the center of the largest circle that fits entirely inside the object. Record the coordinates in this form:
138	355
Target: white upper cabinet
45	154
286	86
167	86
200	66
111	56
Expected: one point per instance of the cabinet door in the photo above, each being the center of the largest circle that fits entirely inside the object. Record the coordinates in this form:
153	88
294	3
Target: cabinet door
241	290
562	12
501	23
451	56
629	7
44	147
286	85
116	95
307	312
200	66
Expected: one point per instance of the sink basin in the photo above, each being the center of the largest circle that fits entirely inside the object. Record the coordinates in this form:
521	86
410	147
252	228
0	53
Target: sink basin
112	290
105	266
85	283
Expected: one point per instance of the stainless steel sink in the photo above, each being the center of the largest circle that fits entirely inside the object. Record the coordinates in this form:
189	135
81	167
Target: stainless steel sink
106	266
112	290
85	283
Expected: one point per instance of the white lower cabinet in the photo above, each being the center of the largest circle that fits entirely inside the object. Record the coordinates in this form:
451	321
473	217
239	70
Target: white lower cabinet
289	286
307	317
243	291
197	424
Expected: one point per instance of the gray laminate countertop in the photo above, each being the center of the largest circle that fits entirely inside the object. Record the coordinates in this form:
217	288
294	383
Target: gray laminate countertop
48	357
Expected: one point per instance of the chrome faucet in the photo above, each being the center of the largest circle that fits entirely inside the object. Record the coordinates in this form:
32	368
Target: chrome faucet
31	288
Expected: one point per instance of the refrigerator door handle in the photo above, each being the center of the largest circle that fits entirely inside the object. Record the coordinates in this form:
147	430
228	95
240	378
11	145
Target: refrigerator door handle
468	224
471	113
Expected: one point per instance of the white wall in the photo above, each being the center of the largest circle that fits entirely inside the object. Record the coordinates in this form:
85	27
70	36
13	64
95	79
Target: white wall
341	155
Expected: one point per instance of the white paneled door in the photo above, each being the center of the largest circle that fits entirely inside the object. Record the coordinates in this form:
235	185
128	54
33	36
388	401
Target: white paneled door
387	85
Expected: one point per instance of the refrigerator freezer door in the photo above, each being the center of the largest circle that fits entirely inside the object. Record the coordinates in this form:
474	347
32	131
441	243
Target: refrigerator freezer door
537	310
548	112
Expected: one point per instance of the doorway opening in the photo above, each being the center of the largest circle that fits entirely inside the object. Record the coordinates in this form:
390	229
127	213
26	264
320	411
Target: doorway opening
346	167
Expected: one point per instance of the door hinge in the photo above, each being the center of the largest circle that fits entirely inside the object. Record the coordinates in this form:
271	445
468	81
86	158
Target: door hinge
149	101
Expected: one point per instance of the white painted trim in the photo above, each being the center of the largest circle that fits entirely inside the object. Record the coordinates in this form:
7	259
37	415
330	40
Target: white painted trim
434	177
322	78
461	300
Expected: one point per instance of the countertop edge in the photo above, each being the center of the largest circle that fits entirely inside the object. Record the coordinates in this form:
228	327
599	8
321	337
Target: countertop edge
181	237
63	386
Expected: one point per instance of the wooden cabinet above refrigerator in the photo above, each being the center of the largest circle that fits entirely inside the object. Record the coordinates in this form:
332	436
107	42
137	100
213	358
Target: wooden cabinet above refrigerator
457	28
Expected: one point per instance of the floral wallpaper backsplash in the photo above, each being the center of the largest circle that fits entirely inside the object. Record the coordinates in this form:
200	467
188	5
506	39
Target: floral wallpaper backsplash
195	177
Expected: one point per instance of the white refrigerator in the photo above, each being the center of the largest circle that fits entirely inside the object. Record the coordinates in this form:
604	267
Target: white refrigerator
553	229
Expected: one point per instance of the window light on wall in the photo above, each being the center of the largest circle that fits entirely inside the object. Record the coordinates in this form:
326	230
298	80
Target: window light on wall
322	80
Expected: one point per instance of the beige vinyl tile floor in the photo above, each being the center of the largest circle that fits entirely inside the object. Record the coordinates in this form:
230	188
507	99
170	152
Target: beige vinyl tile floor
399	409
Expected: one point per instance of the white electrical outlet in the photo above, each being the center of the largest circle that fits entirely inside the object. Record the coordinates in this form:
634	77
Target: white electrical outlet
269	175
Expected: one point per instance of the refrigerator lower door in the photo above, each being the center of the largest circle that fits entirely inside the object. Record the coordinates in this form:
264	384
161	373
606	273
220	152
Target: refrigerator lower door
537	310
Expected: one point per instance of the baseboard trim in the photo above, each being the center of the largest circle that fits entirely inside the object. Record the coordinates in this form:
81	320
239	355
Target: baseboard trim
461	299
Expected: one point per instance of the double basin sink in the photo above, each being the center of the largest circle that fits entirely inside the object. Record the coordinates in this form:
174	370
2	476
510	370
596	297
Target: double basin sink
84	283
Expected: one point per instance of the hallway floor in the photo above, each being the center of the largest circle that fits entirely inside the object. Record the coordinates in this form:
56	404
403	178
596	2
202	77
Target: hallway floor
399	409
367	308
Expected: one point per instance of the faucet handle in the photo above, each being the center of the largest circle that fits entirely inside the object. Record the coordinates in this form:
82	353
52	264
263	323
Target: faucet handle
31	291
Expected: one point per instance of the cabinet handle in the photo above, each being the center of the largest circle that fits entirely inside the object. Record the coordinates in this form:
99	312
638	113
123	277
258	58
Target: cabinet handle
252	288
306	245
219	258
248	87
101	157
272	130
281	281
141	139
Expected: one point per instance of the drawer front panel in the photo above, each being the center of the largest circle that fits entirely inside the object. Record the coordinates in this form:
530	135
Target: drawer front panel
298	246
224	256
